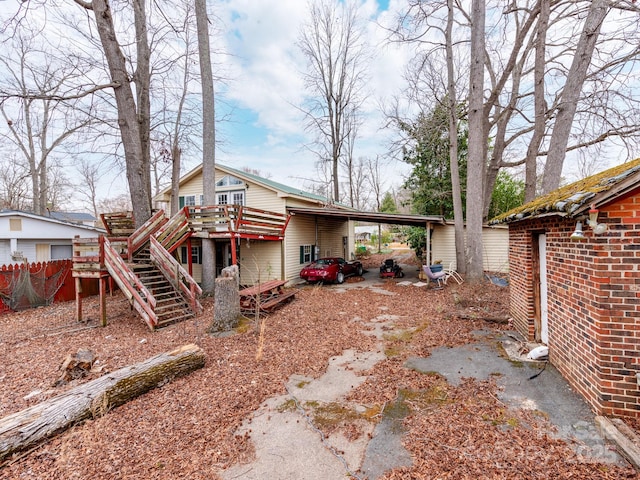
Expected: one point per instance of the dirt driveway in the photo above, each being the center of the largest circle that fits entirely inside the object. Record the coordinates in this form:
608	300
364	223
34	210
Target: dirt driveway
335	365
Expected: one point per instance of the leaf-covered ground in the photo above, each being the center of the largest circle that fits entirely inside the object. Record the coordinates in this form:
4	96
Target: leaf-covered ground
186	429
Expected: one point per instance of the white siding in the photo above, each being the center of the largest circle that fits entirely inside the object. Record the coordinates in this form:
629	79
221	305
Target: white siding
5	252
300	231
259	261
330	233
495	240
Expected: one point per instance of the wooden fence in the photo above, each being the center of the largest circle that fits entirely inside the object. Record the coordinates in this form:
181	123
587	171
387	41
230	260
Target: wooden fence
40	272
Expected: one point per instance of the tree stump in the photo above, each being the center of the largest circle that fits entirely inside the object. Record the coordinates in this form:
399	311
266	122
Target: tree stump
93	399
226	312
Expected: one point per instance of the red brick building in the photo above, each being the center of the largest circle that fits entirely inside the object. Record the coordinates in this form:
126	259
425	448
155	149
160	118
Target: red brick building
579	292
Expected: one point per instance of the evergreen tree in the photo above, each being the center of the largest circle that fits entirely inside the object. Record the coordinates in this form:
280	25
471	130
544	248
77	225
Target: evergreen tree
430	179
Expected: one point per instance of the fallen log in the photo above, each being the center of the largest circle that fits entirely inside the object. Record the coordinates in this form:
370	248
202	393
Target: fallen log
95	398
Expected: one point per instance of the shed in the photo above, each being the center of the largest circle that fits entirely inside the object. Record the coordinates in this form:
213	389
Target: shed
495	242
574	262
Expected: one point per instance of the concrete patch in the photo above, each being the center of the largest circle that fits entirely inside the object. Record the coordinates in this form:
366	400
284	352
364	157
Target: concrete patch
547	392
288	445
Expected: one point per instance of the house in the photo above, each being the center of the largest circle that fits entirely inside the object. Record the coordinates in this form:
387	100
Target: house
306	238
574	262
35	238
81	218
314	228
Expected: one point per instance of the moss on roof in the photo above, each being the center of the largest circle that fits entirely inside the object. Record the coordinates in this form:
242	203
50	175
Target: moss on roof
568	199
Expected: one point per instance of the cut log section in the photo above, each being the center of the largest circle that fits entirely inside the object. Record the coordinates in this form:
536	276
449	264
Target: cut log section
93	399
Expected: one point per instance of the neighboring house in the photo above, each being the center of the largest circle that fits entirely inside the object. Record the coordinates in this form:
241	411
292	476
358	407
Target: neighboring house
495	242
364	233
35	238
81	218
575	283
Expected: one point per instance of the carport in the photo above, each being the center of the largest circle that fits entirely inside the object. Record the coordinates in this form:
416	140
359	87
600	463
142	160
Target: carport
425	221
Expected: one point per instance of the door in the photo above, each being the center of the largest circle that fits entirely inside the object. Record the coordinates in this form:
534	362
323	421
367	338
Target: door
544	307
42	252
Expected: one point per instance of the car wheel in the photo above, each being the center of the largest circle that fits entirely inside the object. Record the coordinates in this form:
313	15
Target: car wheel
340	278
359	270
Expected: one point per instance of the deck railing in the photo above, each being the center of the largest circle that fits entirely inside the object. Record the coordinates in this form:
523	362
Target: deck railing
237	220
175	231
138	239
139	296
176	274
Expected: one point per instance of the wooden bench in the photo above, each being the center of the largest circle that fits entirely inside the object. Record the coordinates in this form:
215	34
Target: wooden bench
267	295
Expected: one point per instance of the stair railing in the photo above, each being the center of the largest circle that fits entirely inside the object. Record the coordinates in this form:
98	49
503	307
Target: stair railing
176	274
138	239
139	296
175	231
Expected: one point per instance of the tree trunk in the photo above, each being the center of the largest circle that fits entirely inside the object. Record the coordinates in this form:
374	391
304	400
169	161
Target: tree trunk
571	93
477	143
175	178
226	312
208	141
456	190
143	85
531	162
139	185
34	424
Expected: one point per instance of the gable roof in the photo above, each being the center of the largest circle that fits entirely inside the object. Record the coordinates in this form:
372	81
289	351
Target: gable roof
20	213
73	217
574	199
246	176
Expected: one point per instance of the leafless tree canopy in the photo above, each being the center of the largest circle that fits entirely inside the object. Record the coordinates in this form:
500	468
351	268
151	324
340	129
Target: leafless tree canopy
335	76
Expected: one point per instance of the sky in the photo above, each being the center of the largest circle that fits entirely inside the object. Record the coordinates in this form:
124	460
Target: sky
265	87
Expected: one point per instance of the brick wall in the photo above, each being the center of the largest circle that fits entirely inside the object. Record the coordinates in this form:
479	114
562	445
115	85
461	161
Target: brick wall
593	302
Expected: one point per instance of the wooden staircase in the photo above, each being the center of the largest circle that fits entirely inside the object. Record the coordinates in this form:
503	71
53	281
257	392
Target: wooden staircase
155	283
170	306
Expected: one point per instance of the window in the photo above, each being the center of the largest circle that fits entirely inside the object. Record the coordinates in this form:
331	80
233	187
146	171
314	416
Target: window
15	224
235	198
307	253
238	198
60	252
196	255
187	200
228	180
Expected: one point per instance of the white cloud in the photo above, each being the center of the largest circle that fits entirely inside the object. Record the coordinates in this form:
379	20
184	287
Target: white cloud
266	65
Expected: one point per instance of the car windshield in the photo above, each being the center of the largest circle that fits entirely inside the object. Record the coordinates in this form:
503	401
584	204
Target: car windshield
324	261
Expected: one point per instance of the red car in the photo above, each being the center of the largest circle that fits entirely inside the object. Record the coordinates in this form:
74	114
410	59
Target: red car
330	269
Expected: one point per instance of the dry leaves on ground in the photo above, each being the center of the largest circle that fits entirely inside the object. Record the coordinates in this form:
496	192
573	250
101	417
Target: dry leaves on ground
186	429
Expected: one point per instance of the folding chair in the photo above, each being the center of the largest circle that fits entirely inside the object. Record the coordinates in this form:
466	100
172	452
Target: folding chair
451	273
438	277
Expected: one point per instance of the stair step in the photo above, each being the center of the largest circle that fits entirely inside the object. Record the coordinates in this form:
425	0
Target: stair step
166	321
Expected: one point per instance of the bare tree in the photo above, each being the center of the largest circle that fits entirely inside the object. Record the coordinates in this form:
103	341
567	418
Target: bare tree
208	140
477	144
14	185
130	118
39	123
88	187
566	107
332	43
456	190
